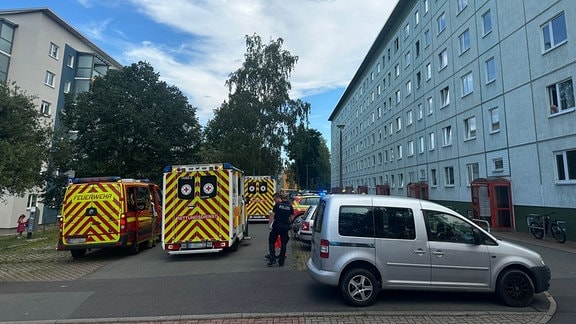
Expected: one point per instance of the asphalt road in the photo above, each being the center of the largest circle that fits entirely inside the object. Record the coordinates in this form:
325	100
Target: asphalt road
153	283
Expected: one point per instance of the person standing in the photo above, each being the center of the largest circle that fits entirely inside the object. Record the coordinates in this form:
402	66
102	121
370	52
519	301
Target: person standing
22	224
279	223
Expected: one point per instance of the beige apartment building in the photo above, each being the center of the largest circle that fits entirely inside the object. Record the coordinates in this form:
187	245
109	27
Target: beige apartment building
469	103
47	58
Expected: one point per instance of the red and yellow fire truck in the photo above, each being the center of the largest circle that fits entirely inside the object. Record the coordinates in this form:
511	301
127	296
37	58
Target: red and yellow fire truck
203	208
104	212
258	193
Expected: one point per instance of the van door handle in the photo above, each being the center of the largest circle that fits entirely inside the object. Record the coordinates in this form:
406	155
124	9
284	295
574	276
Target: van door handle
420	251
438	253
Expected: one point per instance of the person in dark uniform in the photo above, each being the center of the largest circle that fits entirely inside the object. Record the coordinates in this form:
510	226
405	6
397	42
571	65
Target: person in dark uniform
280	218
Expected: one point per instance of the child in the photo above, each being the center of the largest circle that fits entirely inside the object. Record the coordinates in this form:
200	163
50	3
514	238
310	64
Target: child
22	224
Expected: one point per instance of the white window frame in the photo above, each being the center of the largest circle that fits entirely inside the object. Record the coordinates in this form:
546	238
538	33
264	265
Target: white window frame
409	117
433	178
550	38
443	59
431	141
449	176
45	108
421	145
54	51
430	104
470	128
494	120
408	88
464	40
407	59
50	79
472	172
447	136
490	70
445	96
427	38
467	84
441	23
486	23
497	165
428	71
410	148
398	124
561	96
462	4
67	86
565	163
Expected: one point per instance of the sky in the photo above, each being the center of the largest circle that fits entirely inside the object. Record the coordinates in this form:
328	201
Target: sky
195	44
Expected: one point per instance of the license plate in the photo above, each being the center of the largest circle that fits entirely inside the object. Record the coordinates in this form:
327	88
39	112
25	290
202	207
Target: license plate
197	245
76	240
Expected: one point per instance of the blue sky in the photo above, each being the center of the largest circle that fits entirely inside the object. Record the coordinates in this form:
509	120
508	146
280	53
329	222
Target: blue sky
196	44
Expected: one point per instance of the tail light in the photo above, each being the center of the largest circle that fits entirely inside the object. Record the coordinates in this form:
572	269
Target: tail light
324	249
305	226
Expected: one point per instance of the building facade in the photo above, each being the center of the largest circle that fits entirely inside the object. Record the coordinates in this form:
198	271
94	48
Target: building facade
47	58
458	97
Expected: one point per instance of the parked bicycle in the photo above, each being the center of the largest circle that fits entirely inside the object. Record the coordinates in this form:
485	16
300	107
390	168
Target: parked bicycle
540	224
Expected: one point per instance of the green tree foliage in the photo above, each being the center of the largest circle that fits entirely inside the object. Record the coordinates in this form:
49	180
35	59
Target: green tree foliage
131	124
250	129
24	141
311	159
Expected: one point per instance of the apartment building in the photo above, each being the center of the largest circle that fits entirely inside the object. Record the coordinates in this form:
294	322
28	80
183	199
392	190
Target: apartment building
469	103
47	58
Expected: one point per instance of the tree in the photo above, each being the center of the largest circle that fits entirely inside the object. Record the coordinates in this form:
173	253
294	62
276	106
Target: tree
250	129
130	124
311	159
24	141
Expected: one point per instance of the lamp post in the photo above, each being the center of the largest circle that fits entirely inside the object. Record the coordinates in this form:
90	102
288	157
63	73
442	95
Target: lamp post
340	127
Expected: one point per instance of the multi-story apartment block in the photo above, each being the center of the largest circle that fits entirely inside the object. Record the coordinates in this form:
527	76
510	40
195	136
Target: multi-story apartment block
47	58
469	103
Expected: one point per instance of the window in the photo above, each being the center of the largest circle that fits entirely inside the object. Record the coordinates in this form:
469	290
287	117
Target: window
409	117
398	124
464	41
53	52
416	17
379	158
407	59
494	120
472	171
449	176
431	141
417	48
566	165
498	165
442	227
428	71
356	221
467	84
490	70
470	128
443	59
32	201
400	180
49	79
399	151
67	86
462	4
396	44
554	32
391	128
420	111
6	37
486	23
418	79
45	108
426	6
406	31
421	144
397	70
394	223
392	156
427	38
447	136
430	105
408	88
441	22
433	178
410	148
445	96
561	96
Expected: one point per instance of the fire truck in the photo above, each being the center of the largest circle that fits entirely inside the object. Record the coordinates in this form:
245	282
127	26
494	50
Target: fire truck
203	208
258	193
103	212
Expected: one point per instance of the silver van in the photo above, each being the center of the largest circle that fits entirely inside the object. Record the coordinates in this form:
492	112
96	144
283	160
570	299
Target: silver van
366	243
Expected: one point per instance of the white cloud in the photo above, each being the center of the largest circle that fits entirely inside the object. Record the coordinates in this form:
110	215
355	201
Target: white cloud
331	38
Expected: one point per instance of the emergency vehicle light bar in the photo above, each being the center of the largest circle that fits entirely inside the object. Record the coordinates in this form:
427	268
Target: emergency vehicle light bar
96	179
198	167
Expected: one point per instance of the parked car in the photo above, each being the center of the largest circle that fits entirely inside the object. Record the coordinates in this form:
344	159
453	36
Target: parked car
365	243
302	202
304	233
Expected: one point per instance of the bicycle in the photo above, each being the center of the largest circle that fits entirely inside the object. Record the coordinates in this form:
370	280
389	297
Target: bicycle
540	224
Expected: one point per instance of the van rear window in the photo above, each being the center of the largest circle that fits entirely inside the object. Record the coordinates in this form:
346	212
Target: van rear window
356	221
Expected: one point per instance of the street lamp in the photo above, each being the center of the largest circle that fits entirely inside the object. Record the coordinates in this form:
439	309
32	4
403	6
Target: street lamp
340	127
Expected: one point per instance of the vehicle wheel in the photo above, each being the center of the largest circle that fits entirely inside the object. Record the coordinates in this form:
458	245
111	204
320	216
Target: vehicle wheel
536	232
558	233
359	287
515	288
233	247
134	248
78	254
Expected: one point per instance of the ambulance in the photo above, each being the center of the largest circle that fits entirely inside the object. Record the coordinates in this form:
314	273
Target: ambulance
109	212
258	194
203	208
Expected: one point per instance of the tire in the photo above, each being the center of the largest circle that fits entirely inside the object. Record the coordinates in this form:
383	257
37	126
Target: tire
359	287
515	288
134	248
78	254
558	233
536	232
234	246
